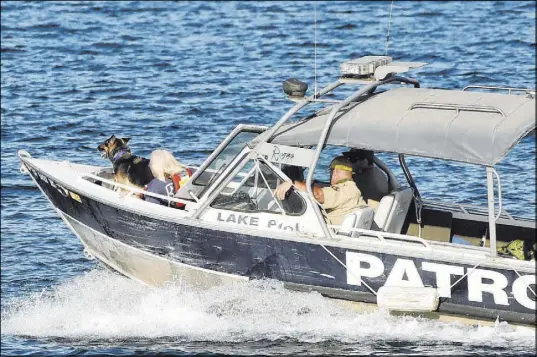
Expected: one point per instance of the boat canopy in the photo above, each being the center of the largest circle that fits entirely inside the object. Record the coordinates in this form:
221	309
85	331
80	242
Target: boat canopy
472	127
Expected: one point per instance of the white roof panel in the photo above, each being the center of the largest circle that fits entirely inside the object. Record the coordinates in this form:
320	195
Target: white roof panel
473	127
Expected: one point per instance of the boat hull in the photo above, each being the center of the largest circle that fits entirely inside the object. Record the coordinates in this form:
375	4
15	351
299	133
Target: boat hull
141	265
149	269
155	251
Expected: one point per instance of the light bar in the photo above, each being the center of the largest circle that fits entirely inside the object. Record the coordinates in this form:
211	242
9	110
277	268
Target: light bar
363	66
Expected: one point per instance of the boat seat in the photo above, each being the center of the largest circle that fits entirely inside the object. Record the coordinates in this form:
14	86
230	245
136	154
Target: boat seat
392	210
372	183
359	218
375	181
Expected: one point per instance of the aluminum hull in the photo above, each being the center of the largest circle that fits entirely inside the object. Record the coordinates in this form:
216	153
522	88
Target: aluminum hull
154	250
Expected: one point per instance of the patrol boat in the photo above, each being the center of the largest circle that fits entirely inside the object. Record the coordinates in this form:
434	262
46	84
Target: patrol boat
400	255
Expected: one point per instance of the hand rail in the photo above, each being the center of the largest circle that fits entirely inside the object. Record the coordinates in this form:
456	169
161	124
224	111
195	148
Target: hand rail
134	189
457	107
23	154
410	239
464	208
193	196
509	89
382	236
359	230
266	135
319	100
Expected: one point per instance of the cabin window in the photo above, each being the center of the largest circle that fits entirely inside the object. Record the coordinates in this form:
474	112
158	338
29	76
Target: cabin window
252	190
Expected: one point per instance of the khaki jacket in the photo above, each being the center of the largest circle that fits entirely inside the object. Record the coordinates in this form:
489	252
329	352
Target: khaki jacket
341	199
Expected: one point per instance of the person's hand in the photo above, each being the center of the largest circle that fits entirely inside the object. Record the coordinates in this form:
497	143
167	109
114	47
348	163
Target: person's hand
282	189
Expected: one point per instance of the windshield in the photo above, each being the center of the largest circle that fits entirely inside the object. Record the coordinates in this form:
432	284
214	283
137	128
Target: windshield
220	162
252	190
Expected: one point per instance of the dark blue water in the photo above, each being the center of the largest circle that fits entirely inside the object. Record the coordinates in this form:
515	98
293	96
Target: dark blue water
180	76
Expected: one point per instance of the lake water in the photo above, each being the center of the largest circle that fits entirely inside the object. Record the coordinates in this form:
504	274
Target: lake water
181	75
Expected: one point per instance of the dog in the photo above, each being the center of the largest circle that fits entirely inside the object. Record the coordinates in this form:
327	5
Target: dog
129	169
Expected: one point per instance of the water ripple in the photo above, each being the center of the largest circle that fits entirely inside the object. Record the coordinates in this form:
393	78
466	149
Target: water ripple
182	75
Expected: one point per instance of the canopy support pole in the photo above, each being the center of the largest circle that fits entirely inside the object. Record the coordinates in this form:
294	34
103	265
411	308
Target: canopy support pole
236	167
418	203
492	218
367	89
267	135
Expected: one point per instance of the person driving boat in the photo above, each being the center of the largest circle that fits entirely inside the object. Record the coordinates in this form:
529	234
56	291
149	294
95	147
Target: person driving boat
341	198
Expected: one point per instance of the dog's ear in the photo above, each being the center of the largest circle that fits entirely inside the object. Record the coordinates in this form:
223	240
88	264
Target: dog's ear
125	140
112	139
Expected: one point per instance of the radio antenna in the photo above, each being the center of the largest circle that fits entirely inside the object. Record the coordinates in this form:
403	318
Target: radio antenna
315	49
389	24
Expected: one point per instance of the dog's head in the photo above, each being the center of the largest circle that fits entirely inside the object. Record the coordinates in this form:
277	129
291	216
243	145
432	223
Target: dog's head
111	146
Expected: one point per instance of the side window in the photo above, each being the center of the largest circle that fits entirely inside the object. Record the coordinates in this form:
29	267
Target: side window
252	190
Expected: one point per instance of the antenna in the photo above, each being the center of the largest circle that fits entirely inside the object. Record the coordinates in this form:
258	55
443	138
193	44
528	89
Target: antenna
389	24
315	49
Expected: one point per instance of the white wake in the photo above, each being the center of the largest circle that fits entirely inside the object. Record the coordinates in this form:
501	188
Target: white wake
100	304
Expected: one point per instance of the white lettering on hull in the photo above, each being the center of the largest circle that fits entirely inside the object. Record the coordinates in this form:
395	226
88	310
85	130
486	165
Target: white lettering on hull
249	220
355	272
521	289
405	273
402	268
476	286
443	276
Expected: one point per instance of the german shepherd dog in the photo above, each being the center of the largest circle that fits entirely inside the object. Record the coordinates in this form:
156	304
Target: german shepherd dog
129	169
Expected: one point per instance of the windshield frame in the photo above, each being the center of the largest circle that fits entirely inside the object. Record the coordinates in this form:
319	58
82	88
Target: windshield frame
191	190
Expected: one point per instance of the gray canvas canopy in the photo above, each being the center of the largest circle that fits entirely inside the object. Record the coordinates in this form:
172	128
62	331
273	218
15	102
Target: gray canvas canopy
473	127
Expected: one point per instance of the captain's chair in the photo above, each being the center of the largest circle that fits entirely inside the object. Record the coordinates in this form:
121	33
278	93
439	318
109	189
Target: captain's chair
359	218
372	183
392	210
372	177
389	217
